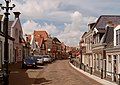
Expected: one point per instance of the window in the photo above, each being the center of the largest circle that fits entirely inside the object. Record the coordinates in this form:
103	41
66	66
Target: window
118	37
119	58
109	58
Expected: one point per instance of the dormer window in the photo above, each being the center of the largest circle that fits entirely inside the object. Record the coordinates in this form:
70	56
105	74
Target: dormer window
118	37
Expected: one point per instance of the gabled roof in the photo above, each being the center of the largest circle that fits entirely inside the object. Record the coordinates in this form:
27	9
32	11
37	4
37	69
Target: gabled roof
103	20
84	34
40	36
56	40
39	41
91	25
108	36
40	33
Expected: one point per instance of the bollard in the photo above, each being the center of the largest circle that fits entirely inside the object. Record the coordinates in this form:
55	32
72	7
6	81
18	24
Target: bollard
80	66
91	70
84	67
119	79
101	73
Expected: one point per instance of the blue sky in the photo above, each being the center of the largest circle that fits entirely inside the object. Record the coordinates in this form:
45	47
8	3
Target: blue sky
65	19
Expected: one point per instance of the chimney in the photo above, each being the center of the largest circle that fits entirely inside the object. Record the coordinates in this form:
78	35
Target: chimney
110	24
16	14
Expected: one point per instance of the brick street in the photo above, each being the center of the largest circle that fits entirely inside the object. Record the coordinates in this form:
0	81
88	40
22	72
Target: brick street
57	73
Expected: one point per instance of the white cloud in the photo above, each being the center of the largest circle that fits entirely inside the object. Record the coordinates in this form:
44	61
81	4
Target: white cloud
71	33
63	12
29	26
51	29
36	8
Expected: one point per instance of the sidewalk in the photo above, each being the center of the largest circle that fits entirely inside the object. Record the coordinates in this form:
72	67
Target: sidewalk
102	81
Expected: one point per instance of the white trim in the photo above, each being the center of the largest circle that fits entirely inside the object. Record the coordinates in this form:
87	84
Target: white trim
116	28
3	18
95	30
14	22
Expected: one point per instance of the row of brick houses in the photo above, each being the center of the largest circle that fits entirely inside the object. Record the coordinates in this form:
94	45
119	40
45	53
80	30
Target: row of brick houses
17	45
100	46
41	44
38	43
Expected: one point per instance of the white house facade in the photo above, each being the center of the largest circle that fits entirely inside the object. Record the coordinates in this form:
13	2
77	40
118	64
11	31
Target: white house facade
113	56
11	56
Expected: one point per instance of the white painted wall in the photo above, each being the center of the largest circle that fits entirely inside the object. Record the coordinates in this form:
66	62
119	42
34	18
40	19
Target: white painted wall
119	64
11	58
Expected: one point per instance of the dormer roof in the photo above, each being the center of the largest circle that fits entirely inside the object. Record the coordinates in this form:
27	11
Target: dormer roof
103	20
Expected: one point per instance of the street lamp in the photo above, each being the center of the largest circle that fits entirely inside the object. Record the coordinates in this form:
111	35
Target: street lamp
6	58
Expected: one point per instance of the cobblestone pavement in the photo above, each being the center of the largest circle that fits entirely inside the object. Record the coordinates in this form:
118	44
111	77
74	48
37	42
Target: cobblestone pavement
57	73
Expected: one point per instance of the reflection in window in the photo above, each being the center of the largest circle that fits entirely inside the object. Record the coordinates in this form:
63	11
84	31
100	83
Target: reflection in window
118	37
109	58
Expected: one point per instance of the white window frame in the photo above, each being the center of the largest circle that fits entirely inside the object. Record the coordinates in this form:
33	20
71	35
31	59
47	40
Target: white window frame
115	30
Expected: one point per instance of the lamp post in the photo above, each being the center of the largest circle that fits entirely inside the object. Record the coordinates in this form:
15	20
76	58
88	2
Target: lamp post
6	58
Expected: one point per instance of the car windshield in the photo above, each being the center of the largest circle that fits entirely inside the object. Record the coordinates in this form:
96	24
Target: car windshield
38	56
46	56
29	58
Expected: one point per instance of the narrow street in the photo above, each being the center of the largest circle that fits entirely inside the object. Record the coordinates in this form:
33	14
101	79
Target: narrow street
57	73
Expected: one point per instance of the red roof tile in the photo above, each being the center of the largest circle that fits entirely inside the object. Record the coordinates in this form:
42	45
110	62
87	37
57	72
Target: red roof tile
40	36
43	34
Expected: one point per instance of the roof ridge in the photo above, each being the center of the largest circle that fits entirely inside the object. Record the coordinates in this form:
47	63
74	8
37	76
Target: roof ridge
110	15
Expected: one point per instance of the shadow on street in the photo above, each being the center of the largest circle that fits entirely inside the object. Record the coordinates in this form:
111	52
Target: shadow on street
19	76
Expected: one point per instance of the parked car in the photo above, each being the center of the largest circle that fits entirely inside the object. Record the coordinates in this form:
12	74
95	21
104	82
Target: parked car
52	59
39	59
29	62
47	59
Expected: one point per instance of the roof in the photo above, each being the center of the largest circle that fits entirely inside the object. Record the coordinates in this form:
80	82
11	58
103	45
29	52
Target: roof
40	36
40	33
103	20
91	25
108	36
84	34
39	41
56	39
